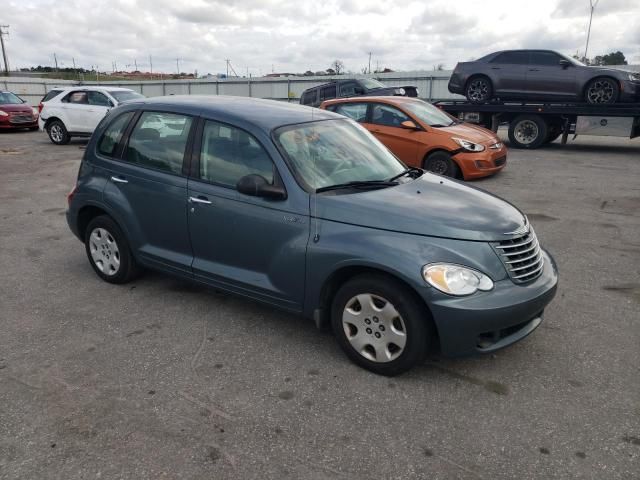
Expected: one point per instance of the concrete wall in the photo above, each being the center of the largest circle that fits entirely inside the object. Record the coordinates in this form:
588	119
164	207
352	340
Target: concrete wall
431	85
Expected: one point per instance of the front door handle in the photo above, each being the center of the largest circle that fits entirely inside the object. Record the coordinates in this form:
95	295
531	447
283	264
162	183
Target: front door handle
534	70
119	180
495	68
203	200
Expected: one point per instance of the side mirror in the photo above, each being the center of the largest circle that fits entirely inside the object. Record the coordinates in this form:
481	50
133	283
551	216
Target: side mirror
257	186
409	125
565	63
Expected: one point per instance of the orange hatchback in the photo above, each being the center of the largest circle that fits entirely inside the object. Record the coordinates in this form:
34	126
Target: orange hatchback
424	136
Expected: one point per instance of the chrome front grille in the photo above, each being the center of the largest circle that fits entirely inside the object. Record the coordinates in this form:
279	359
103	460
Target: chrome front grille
21	118
521	257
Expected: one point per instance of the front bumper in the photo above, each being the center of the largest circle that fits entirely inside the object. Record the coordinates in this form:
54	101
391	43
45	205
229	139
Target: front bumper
487	321
629	91
10	123
481	164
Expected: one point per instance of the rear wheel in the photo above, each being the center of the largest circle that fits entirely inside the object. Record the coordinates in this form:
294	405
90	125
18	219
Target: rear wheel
479	90
380	325
58	133
442	164
602	91
108	251
528	131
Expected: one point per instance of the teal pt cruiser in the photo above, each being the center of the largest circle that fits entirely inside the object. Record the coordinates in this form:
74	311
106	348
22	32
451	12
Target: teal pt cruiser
305	210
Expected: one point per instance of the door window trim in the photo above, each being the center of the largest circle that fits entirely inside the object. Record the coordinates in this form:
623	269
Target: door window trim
117	151
370	115
367	112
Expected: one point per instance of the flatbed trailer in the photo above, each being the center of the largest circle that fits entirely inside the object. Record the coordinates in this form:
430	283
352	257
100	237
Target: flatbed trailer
532	125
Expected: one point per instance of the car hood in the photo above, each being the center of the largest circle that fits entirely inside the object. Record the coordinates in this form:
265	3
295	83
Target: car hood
16	107
612	71
430	205
470	132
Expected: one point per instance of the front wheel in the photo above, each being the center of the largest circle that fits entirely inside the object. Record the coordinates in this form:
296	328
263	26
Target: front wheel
479	90
108	251
602	91
528	131
380	325
442	164
58	133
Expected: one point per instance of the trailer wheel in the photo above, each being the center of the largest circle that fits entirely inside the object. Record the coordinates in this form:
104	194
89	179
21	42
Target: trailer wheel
528	131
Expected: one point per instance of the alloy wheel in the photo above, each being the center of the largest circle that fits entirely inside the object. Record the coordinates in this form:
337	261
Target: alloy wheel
374	328
601	91
478	90
104	251
56	133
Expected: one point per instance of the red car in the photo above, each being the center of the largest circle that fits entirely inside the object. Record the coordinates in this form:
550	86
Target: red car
16	113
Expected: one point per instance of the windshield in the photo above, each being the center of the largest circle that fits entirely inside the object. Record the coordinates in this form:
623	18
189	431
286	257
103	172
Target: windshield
8	98
427	113
332	152
370	83
125	95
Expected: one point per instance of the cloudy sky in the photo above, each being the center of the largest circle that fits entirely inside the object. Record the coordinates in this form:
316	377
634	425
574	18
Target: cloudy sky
297	35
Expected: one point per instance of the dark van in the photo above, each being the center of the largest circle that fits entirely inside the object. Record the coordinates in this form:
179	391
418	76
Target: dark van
314	96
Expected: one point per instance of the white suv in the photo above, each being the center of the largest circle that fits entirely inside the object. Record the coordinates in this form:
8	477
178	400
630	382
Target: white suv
76	111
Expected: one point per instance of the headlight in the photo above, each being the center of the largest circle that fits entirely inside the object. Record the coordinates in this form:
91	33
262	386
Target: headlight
455	279
634	77
467	145
401	91
3	113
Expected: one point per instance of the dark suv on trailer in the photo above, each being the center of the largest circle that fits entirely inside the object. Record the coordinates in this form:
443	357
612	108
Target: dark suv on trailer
305	210
314	96
542	75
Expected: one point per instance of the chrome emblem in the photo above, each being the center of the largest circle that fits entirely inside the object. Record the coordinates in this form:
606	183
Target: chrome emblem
520	230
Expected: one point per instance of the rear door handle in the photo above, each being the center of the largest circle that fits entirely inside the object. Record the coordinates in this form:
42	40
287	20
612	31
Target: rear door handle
534	70
495	68
119	180
201	199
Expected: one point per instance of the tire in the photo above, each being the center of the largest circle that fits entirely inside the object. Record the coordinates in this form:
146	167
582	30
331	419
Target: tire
602	91
441	163
109	252
392	315
478	90
528	131
554	132
58	133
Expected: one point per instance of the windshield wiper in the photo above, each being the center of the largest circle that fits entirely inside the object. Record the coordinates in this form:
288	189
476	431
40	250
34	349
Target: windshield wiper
358	184
409	170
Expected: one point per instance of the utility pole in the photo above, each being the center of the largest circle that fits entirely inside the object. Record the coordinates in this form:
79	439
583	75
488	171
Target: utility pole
227	60
135	63
55	60
369	63
3	32
74	67
178	65
593	4
150	67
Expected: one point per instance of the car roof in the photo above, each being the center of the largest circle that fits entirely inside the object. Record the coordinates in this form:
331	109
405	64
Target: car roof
262	113
93	87
391	100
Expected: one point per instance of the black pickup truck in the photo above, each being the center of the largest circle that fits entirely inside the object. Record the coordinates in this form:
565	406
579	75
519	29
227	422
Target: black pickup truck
352	87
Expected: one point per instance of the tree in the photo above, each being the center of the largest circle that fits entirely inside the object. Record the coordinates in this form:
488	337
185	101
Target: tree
309	73
337	66
613	58
330	71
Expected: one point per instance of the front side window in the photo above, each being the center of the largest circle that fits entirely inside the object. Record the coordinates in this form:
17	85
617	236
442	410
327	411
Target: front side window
50	95
112	135
371	84
331	152
427	113
159	141
229	153
99	99
309	97
355	111
545	58
387	115
350	89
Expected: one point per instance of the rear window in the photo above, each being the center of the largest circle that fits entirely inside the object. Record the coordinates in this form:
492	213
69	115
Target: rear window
308	97
327	93
125	95
50	95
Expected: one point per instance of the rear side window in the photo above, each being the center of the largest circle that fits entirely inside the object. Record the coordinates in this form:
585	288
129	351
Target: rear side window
76	97
112	135
327	93
229	153
514	58
159	141
350	89
50	95
387	115
545	58
356	111
309	96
